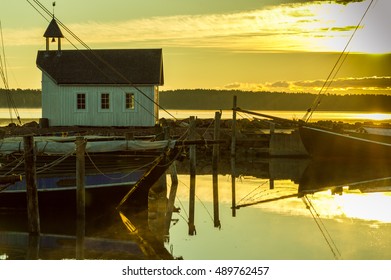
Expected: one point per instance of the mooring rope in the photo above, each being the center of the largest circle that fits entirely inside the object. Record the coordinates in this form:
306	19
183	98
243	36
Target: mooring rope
117	178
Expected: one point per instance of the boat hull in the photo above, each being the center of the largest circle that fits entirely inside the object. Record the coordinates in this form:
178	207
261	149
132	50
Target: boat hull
321	143
102	189
335	174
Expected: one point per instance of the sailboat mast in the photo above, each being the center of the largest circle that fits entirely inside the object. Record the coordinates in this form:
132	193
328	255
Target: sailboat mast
334	71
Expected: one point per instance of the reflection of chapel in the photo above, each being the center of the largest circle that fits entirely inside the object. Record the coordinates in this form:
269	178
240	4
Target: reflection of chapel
99	87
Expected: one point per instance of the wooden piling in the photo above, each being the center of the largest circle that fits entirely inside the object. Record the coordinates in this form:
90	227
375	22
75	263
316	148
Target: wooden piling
80	196
233	156
215	160
192	154
171	197
157	201
33	246
129	136
233	140
271	184
31	185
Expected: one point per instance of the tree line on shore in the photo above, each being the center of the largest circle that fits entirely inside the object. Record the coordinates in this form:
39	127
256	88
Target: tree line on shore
207	99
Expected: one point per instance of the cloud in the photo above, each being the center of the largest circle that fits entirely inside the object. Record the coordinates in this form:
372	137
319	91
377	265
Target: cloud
352	83
339	86
299	26
280	84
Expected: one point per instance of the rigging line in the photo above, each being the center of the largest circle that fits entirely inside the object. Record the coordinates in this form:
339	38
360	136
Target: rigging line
308	206
4	187
39	12
100	58
313	216
116	178
243	198
183	208
202	203
325	228
338	60
21	160
184	218
329	83
209	126
15	160
54	163
4	76
3	66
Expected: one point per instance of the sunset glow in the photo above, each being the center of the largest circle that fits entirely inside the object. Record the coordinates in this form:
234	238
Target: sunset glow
278	46
374	116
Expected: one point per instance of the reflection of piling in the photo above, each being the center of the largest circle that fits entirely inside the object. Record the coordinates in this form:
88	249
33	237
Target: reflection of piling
215	160
157	201
192	154
172	196
233	155
31	185
80	196
271	183
33	247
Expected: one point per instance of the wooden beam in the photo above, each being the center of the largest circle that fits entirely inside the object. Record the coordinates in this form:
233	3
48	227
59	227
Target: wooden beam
11	179
31	185
264	115
192	154
80	196
233	157
215	167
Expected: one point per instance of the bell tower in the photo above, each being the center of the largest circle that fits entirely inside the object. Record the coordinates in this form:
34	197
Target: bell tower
52	33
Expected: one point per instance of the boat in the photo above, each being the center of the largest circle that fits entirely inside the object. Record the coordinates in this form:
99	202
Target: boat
107	234
112	170
323	143
338	175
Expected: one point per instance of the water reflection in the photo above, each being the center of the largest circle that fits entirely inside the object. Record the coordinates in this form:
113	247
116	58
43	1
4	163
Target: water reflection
128	233
288	209
284	209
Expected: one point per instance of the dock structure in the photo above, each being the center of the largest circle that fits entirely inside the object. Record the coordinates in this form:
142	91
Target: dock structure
271	144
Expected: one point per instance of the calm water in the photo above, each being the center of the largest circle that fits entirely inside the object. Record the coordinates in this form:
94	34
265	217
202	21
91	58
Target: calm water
353	224
285	209
28	114
281	209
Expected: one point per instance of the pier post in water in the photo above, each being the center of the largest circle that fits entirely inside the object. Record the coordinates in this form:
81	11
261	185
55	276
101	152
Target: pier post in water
171	197
215	160
192	152
80	196
233	156
31	185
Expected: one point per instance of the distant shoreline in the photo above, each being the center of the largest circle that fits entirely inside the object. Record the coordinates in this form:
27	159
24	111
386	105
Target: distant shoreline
204	99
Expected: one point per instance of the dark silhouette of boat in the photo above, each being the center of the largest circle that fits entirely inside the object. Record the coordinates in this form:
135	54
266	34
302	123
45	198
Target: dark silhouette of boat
322	143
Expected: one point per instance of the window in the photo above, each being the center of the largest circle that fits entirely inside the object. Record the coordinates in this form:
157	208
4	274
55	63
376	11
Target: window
81	101
129	101
105	101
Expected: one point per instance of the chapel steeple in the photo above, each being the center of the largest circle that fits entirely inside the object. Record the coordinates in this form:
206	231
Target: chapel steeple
53	32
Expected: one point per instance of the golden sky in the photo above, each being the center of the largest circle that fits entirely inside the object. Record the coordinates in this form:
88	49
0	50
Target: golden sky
276	45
